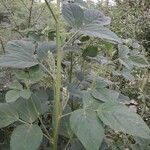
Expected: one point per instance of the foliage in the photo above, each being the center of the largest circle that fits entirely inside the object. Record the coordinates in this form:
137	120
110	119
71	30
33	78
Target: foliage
68	89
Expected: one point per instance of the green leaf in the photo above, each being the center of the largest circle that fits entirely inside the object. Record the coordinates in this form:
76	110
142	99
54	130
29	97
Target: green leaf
73	14
123	51
16	46
137	146
25	94
139	61
74	49
88	128
123	98
96	17
19	61
121	118
31	75
26	137
74	91
89	101
96	30
12	95
75	144
65	129
19	54
135	45
141	144
42	95
90	51
105	95
15	85
29	110
81	3
43	48
84	38
8	115
127	74
127	63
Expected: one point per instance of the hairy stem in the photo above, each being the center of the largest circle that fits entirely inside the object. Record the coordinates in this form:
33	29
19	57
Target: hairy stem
142	90
57	88
2	44
71	67
50	9
57	102
30	14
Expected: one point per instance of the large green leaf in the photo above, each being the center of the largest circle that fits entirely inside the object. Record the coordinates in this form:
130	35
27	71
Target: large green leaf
139	61
19	54
43	48
123	98
32	75
121	118
15	85
141	144
81	3
29	110
7	115
89	101
105	94
126	73
75	144
126	62
26	137
25	94
73	49
123	51
88	128
95	16
16	46
73	14
12	95
96	30
65	129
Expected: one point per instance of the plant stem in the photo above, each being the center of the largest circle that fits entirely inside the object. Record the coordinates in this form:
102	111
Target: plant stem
46	131
57	103
2	44
30	14
142	90
71	67
57	88
50	9
24	122
70	39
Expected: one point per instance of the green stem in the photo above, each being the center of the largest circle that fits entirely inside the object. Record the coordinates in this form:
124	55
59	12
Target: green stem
70	39
46	131
24	122
50	9
57	102
142	90
57	88
71	67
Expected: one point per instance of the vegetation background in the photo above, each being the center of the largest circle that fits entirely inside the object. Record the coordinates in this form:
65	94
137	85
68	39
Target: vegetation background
130	20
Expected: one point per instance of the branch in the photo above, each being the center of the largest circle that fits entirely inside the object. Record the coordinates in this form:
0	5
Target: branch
1	42
40	14
25	5
50	9
30	14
